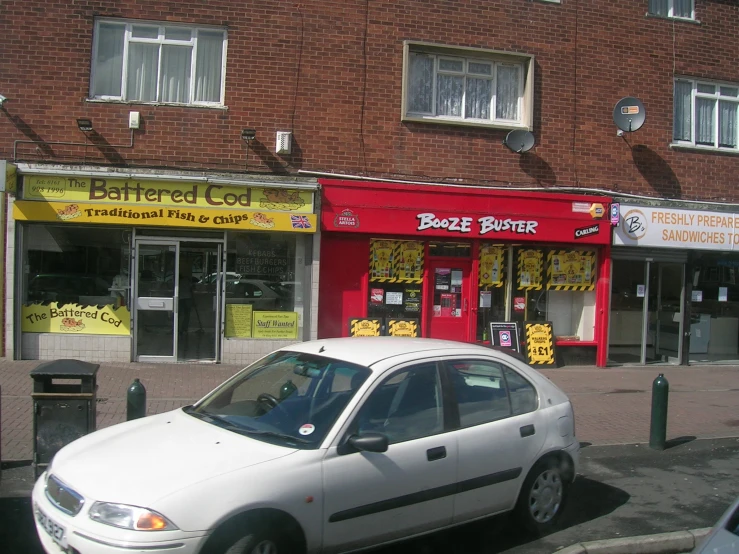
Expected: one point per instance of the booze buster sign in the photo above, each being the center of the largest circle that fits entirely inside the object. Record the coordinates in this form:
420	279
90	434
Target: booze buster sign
486	224
422	210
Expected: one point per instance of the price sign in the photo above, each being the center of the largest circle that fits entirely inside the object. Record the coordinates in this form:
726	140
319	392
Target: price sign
402	327
539	343
365	327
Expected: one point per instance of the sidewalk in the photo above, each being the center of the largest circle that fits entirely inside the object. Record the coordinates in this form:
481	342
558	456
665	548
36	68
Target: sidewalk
612	406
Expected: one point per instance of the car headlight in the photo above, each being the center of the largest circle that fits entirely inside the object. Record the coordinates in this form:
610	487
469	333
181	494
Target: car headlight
129	517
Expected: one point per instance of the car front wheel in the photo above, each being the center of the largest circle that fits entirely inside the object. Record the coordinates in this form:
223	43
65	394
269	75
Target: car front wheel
256	541
542	497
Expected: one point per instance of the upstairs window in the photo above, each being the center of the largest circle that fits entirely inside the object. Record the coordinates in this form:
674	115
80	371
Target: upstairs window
681	9
467	86
706	114
158	63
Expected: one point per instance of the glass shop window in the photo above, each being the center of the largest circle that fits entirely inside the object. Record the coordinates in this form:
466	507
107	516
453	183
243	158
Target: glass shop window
491	281
264	270
395	281
558	286
75	265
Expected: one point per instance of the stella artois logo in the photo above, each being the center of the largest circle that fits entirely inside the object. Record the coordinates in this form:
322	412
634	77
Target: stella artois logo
346	218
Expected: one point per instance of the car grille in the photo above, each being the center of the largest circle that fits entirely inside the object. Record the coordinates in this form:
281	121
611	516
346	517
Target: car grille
63	497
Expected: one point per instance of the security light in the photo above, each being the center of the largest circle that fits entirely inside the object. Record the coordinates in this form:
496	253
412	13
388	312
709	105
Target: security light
85	125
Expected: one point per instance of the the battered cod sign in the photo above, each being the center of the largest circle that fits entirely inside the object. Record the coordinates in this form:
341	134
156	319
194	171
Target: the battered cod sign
75	318
539	343
364	327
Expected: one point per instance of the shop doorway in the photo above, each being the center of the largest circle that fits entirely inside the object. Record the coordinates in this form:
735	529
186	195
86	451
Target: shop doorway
177	300
449	297
646	319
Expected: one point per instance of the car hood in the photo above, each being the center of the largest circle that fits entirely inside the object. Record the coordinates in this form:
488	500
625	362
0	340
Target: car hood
140	461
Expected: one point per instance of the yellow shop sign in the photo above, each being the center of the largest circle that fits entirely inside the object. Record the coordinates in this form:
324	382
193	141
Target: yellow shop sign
75	319
181	194
200	218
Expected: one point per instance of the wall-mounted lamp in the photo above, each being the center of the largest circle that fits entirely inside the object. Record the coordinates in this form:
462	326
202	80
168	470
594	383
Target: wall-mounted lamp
249	135
2	100
85	125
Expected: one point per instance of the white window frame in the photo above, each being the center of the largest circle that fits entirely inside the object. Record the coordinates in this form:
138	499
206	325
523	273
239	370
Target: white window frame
670	11
497	58
716	96
160	40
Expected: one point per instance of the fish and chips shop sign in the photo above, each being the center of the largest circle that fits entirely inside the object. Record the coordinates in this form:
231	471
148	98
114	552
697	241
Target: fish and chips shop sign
672	228
165	203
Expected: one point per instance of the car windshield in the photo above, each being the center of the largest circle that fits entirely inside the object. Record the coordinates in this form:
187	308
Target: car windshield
288	398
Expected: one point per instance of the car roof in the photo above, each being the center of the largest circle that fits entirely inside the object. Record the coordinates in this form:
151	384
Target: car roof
368	351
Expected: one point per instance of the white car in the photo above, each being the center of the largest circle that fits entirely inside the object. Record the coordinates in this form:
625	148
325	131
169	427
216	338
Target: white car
724	536
323	446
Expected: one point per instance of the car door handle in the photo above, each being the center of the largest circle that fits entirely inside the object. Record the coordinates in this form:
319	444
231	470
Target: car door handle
527	430
437	453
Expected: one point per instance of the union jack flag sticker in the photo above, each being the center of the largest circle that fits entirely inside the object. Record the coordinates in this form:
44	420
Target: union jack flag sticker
300	222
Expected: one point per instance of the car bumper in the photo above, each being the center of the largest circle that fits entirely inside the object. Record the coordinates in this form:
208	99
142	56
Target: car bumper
574	451
80	535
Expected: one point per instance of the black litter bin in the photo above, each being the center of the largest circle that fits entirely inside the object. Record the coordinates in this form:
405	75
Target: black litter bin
63	407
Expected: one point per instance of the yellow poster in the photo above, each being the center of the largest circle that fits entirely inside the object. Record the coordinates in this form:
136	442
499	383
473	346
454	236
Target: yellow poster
238	321
75	319
409	260
539	343
275	325
402	327
491	265
529	269
361	327
571	269
381	264
200	218
180	194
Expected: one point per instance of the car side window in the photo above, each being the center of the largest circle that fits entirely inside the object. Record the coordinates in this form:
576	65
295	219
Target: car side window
480	390
524	398
407	405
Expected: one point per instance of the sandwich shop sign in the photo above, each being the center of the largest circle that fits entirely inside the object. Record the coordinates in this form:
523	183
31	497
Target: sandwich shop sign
673	228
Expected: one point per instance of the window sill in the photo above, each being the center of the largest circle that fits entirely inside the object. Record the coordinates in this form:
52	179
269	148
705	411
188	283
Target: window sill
559	342
163	104
678	19
462	123
707	149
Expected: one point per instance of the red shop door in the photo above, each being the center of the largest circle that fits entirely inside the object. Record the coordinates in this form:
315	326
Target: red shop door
449	299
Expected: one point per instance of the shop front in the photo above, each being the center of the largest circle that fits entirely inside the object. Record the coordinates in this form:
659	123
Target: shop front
446	262
675	287
155	270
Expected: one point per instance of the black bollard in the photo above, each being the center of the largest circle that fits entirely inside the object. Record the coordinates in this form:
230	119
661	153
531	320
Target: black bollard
658	427
135	400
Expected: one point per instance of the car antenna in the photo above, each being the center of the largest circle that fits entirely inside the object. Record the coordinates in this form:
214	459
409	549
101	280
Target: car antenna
322	349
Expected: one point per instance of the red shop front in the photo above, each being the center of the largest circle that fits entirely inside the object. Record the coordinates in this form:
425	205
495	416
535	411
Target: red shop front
450	260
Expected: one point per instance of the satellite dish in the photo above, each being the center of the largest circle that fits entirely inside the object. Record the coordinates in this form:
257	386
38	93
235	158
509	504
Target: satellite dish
629	114
520	140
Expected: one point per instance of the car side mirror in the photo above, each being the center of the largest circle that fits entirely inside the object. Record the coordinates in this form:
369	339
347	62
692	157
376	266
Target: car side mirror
369	442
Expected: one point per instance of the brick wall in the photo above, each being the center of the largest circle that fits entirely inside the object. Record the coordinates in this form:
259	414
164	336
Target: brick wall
330	71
